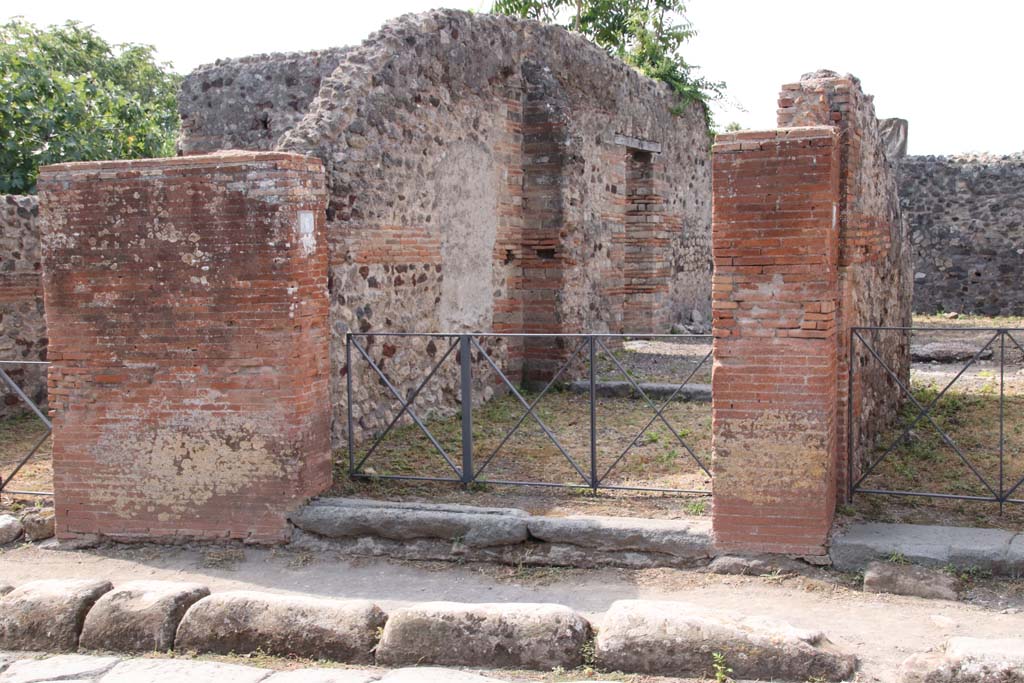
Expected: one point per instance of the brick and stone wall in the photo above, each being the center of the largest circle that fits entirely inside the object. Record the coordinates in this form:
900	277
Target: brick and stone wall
488	174
186	302
808	243
22	326
966	216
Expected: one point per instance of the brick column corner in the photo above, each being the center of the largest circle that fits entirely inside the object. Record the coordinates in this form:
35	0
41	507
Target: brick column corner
186	301
776	245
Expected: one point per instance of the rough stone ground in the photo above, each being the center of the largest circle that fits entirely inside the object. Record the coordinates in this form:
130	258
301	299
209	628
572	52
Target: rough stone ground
882	629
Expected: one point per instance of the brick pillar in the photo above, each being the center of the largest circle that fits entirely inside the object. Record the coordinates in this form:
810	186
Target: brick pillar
187	307
775	242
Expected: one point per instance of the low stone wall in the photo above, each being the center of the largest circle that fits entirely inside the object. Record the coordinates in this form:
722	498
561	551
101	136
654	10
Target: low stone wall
665	638
966	216
22	324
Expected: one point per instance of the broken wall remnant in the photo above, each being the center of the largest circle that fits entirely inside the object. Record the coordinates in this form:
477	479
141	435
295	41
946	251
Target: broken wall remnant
22	327
966	216
485	174
808	243
187	306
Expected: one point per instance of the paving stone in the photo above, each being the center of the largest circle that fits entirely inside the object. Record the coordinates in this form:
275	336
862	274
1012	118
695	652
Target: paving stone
905	579
10	529
139	616
967	660
324	676
474	527
39	524
679	538
935	546
508	635
426	674
60	667
676	639
246	621
47	615
182	671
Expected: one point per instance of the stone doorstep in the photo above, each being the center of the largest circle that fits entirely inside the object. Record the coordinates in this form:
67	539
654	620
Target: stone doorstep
695	392
995	550
497	533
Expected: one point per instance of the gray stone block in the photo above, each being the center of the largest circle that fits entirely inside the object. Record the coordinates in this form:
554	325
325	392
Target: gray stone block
39	524
182	671
10	529
139	616
242	622
655	390
935	546
470	526
48	614
58	668
901	579
676	639
967	660
513	635
678	538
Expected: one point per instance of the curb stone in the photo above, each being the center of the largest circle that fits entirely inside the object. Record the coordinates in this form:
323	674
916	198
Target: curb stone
139	616
48	614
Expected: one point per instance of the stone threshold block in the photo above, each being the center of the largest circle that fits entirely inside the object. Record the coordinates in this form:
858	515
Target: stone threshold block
676	639
903	579
440	532
242	622
140	616
967	660
995	550
696	392
47	615
518	636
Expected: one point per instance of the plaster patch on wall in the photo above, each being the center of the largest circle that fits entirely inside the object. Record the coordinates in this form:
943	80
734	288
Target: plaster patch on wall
306	231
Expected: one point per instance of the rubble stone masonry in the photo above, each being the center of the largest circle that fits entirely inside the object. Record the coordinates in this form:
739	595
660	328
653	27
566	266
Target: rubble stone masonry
187	306
22	327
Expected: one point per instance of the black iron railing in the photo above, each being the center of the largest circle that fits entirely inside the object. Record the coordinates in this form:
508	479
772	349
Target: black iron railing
39	414
995	487
467	466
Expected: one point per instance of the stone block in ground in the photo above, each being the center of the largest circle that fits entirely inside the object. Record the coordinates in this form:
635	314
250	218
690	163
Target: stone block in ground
508	635
242	622
429	674
474	527
690	539
47	615
907	579
182	671
935	546
757	565
139	616
324	676
677	639
39	524
968	660
10	529
58	668
695	392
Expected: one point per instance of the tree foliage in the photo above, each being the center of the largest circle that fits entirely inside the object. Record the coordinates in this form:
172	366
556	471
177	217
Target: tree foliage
68	95
646	34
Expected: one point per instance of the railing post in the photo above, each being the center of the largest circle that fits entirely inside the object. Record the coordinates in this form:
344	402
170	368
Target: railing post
850	470
466	384
593	420
1002	415
348	404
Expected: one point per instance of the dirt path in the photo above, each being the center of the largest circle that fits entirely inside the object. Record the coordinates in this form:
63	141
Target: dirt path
882	630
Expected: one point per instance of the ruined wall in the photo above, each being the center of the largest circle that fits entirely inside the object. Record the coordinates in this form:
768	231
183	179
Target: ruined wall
22	327
966	216
875	268
186	301
249	103
477	170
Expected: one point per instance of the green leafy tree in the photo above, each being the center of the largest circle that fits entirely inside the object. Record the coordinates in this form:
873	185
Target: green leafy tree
646	34
68	95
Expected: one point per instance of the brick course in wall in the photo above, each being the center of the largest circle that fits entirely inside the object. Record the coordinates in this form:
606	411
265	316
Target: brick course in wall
22	326
774	301
187	306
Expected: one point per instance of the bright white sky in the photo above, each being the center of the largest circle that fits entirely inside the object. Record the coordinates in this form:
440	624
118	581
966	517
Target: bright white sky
954	69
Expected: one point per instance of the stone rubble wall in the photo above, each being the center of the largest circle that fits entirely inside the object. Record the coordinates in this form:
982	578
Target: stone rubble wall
22	324
479	177
875	262
966	217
